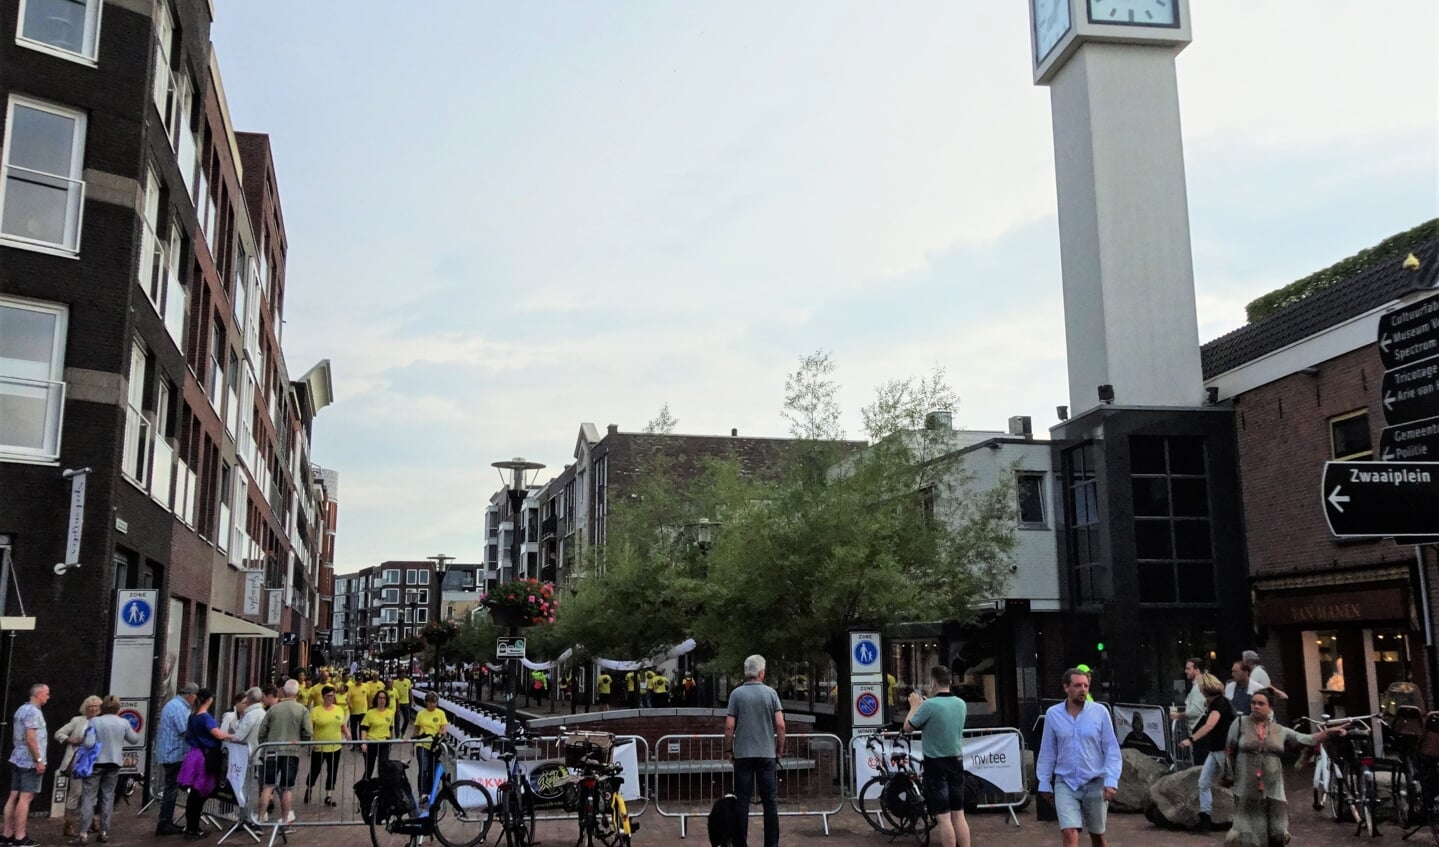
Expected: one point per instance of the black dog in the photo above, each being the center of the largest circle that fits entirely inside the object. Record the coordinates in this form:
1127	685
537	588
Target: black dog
726	817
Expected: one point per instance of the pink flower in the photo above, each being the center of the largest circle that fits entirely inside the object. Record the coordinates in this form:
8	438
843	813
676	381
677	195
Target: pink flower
532	598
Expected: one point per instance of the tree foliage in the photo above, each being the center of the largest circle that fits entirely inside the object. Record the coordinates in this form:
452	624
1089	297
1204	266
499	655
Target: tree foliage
843	537
663	423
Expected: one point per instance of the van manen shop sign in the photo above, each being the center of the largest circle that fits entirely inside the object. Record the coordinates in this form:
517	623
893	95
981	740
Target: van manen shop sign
1383	604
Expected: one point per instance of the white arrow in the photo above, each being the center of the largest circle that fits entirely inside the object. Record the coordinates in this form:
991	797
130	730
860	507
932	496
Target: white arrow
1388	401
1384	342
1387	456
1335	498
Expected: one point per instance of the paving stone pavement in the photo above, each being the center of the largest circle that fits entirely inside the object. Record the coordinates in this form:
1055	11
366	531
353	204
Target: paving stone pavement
846	829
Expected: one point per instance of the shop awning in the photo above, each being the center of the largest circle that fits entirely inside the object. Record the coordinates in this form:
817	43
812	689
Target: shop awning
223	624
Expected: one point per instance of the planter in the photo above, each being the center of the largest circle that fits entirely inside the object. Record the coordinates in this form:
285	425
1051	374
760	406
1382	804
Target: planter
508	616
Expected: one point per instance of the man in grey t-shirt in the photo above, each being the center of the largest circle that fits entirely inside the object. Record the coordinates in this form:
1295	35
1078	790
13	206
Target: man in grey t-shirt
754	732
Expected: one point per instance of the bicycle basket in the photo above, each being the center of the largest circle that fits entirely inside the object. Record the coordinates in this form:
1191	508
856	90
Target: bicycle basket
579	745
1401	694
1408	722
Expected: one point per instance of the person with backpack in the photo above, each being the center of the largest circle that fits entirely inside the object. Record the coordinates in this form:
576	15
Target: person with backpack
101	754
72	734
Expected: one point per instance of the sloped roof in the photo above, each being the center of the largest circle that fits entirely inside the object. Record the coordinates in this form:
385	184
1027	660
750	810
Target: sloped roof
1367	289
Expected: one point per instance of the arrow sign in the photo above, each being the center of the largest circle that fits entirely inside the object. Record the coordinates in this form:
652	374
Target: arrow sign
1410	442
1381	498
1410	393
1409	334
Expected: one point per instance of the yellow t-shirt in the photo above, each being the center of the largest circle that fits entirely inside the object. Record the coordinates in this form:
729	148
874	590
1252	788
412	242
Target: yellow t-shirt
661	684
430	722
402	691
379	724
328	726
317	698
603	683
357	698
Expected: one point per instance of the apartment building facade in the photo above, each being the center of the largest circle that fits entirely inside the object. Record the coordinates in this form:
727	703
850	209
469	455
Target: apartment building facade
142	256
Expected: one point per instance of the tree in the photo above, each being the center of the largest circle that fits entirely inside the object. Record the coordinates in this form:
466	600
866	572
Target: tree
904	404
810	403
663	423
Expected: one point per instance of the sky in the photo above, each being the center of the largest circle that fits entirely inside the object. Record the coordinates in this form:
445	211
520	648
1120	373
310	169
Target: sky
508	218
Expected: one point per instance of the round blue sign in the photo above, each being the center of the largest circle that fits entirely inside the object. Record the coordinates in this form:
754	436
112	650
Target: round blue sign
136	613
867	704
866	653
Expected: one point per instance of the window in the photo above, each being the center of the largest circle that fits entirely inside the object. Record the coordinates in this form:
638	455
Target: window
422	615
1172	542
389	615
32	367
390	595
138	433
1349	437
42	195
68	28
1031	501
164	40
392	576
423	578
1092	584
216	370
412	577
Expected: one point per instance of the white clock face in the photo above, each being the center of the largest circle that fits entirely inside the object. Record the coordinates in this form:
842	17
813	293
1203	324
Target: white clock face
1134	12
1051	22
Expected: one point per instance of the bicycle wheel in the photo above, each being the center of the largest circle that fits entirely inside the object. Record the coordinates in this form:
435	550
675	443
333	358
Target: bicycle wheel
1335	798
903	805
1401	790
1369	799
871	798
463	813
519	820
619	822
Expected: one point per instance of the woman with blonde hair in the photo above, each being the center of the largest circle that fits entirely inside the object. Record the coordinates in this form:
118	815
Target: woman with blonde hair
1208	742
72	735
112	733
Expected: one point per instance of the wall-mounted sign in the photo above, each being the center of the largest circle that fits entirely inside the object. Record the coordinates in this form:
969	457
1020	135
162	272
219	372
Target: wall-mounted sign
864	653
272	611
254	590
135	613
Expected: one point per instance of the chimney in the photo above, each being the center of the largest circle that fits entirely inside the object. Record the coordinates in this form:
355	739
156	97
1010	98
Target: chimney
941	420
1021	425
612	429
733	433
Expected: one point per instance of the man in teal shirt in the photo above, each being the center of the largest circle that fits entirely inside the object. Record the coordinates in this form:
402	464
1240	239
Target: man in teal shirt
942	719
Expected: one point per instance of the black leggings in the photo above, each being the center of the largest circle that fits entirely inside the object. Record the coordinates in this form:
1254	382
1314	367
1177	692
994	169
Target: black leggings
332	766
372	752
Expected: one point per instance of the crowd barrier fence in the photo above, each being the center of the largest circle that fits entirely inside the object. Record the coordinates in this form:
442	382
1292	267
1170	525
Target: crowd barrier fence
993	765
688	773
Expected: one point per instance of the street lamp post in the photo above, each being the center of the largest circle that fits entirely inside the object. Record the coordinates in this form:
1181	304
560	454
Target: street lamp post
702	532
517	467
442	565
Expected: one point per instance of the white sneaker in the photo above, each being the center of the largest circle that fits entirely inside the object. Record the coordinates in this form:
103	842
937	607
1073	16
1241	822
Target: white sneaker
264	817
290	818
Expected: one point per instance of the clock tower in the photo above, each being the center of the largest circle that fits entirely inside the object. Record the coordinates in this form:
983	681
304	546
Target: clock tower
1153	560
1123	210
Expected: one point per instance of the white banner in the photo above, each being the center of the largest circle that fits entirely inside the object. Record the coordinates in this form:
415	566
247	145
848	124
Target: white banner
491	774
1140	726
272	614
77	517
994	758
254	587
235	769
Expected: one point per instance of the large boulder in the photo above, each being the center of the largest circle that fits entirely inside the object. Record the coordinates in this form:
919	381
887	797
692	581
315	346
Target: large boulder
1140	772
1176	801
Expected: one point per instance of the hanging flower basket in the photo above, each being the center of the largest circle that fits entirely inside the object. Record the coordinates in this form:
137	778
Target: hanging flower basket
439	633
522	602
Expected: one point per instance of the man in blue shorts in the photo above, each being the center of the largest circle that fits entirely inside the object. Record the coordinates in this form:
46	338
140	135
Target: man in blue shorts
942	718
1079	762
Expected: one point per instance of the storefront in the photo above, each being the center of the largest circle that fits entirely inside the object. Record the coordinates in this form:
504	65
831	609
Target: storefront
1342	645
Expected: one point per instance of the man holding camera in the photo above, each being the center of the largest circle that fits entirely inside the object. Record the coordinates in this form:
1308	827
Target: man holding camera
942	718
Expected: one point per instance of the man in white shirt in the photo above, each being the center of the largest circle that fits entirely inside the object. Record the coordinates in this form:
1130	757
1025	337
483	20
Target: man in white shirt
1258	676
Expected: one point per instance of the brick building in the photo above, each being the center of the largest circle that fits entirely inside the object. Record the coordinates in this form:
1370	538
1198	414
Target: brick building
1337	620
142	256
383	604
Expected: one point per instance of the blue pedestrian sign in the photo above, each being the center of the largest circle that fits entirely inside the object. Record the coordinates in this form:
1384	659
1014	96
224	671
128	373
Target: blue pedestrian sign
135	613
864	653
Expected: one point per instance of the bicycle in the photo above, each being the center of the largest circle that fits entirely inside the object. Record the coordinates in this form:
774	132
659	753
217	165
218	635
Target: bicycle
1353	791
515	808
892	801
458	813
600	805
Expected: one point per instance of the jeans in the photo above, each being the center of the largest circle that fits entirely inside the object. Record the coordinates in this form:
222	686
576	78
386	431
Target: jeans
100	785
760	773
426	760
167	795
1213	767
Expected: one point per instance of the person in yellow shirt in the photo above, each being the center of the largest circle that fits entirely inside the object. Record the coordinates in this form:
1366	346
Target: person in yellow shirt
303	697
630	697
317	691
602	688
357	701
330	725
661	688
429	723
402	701
377	725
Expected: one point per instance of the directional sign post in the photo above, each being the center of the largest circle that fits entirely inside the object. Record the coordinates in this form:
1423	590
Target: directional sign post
1410	442
1411	393
1409	334
1381	498
510	647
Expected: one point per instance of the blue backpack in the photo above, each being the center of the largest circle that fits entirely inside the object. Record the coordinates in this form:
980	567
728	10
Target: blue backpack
83	764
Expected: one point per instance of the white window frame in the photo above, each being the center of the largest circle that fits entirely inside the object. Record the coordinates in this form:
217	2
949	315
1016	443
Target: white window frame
412	576
389	595
422	615
74	206
139	433
392	576
1019	480
423	578
389	615
55	384
89	51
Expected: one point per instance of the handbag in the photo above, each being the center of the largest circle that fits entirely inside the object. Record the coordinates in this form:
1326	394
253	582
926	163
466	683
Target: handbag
83	765
1226	774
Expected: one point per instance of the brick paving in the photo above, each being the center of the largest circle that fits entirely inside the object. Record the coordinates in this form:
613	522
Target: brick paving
847	829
